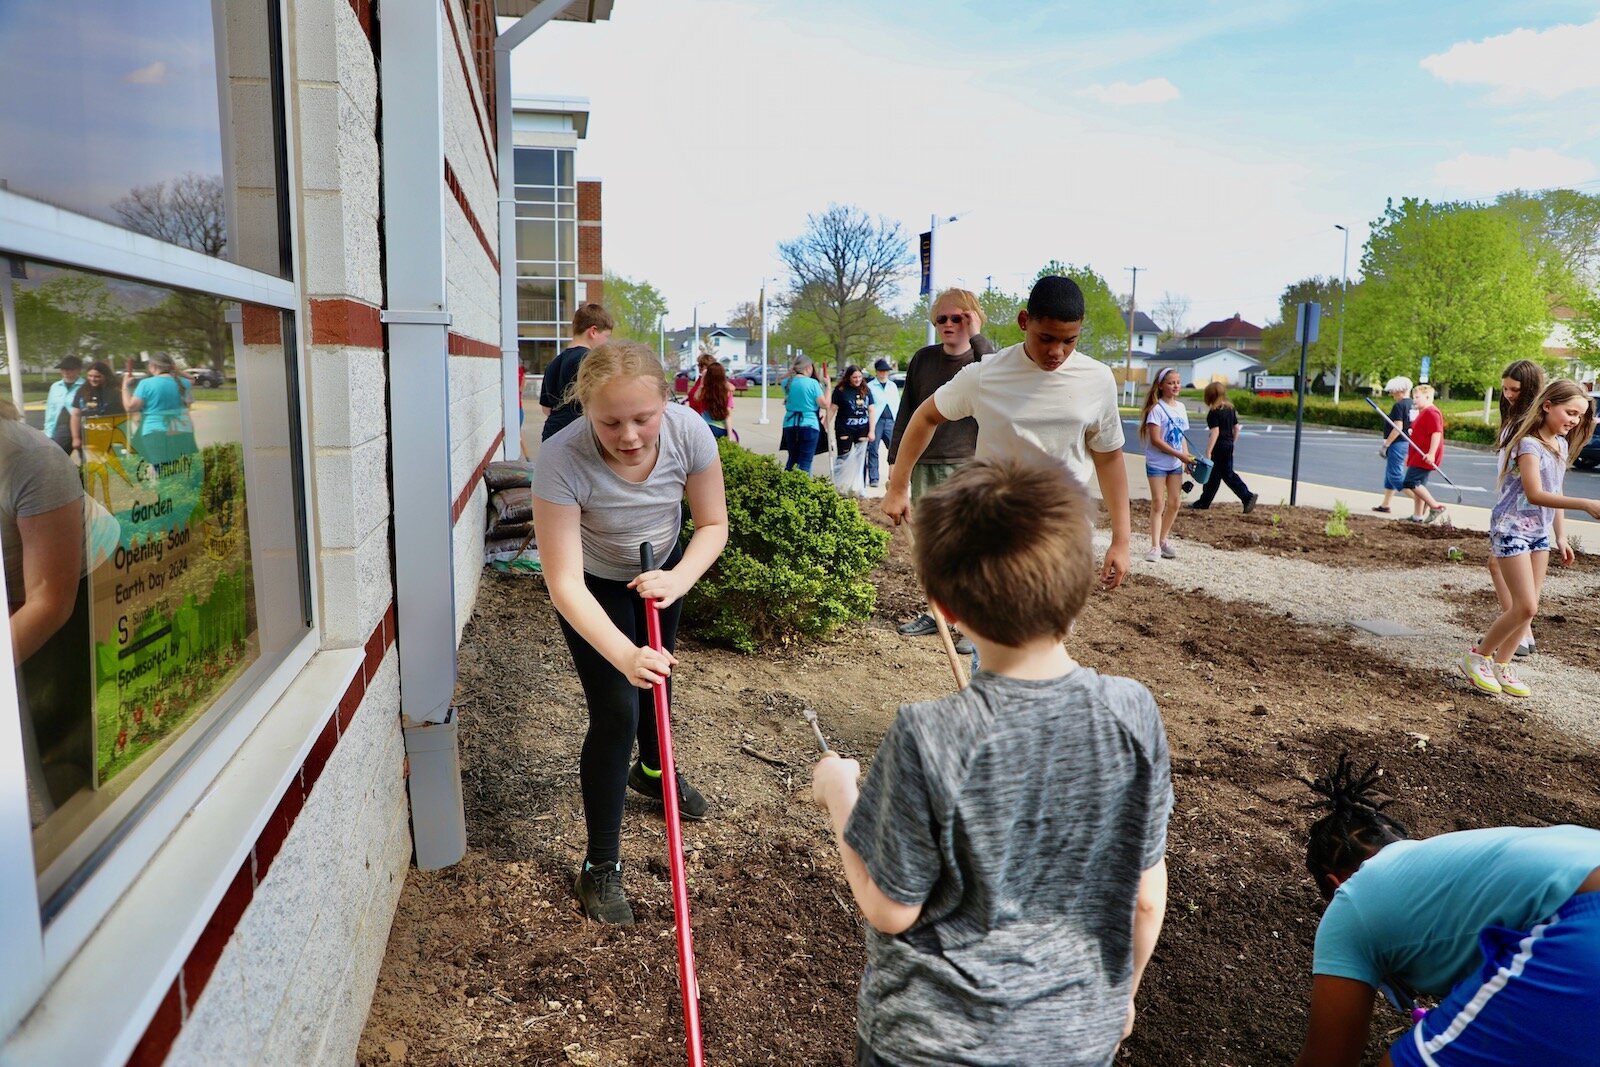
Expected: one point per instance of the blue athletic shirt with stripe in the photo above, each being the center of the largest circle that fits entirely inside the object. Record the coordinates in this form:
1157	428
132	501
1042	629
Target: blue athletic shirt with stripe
1413	912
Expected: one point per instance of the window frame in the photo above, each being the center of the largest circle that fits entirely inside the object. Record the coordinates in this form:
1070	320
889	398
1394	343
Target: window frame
39	951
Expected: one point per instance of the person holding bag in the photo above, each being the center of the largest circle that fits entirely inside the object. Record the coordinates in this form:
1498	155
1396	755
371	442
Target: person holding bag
852	428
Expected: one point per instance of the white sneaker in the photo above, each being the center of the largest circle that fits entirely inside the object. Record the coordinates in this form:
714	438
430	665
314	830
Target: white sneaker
1167	551
1480	671
1153	556
1510	684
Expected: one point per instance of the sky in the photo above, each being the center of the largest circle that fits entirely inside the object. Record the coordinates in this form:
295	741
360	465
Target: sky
1215	145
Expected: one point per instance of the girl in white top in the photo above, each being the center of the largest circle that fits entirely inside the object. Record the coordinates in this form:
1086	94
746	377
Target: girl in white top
1162	426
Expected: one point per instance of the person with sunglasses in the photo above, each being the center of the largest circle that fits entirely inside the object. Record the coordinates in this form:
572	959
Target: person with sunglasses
958	319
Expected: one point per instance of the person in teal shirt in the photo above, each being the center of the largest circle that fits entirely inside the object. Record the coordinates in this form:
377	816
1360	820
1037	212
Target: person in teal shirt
1502	923
57	416
162	401
804	400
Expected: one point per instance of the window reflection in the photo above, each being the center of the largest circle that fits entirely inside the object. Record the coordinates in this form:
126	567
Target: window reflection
154	115
167	517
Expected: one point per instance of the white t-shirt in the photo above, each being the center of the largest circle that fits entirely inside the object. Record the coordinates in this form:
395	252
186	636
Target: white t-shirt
1168	421
1066	412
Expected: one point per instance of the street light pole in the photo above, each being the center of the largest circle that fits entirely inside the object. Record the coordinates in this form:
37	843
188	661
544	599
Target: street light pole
1133	306
933	241
1344	289
661	338
766	357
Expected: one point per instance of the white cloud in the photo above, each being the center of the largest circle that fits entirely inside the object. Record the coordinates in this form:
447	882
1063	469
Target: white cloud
1520	168
154	74
1151	91
1523	64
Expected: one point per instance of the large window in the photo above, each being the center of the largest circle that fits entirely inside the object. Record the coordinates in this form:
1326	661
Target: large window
152	493
547	267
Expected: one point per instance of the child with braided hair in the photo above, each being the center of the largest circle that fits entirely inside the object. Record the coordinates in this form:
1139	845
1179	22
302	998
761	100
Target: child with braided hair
1503	924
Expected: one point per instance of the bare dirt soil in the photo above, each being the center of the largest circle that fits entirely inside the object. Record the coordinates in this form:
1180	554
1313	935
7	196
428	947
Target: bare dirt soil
489	962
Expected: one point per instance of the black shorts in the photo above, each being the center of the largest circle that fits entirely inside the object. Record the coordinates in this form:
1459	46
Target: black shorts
1415	476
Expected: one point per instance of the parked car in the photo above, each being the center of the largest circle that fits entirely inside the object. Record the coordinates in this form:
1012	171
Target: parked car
1589	456
206	377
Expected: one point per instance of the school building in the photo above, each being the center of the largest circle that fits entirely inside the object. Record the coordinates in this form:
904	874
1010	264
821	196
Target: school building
215	776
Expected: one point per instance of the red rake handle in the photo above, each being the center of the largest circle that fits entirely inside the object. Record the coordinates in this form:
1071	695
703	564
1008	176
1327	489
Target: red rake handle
688	982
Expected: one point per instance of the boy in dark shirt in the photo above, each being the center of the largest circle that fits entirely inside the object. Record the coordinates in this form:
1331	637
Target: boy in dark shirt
1224	423
1008	846
591	325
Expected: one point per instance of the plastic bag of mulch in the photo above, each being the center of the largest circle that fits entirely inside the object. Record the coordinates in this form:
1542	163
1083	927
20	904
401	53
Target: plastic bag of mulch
506	531
511	506
508	474
510	557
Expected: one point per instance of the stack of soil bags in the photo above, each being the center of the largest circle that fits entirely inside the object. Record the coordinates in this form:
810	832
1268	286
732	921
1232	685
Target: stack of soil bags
510	510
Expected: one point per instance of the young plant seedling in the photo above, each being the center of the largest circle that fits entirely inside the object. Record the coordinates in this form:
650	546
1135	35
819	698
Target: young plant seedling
1339	525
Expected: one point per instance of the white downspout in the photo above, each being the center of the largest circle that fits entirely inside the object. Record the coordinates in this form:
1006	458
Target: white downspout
412	87
509	357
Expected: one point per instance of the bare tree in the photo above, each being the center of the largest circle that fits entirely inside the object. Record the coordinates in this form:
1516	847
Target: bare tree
187	211
746	316
842	270
1171	313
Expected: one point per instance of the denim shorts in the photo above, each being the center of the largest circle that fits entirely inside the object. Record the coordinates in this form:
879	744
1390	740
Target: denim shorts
1415	476
1531	1001
1514	544
1394	466
1151	472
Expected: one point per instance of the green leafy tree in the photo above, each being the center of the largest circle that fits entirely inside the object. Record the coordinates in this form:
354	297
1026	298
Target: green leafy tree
1451	281
637	307
1560	228
1105	324
1000	316
842	271
72	314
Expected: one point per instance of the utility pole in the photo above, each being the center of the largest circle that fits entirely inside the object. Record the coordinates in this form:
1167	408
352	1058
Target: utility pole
1344	289
988	283
766	357
1133	305
933	289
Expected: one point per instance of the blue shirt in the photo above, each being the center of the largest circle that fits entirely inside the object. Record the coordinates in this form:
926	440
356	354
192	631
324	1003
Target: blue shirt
801	400
163	401
56	403
1414	910
885	397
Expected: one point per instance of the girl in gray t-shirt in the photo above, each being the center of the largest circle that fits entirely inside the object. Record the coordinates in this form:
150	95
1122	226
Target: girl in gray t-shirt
609	482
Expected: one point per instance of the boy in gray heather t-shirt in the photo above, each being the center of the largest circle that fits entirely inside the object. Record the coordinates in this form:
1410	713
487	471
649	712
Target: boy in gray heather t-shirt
1008	845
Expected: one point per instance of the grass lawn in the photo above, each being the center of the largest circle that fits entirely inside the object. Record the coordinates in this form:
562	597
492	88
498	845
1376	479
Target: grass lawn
35	391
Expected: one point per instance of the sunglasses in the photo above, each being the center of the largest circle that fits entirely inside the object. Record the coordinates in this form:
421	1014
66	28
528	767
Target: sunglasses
956	319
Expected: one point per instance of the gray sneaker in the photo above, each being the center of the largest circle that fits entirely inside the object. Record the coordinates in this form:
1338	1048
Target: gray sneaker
599	891
921	626
963	646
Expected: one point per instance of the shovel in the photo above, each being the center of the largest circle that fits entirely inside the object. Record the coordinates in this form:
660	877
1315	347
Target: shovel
688	982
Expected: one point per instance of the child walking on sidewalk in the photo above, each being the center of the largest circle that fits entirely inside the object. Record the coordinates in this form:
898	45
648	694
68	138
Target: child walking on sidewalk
1528	522
1425	454
1008	847
1224	424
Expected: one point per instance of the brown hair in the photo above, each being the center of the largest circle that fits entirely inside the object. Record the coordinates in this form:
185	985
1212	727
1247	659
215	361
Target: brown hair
591	317
1005	545
715	389
1530	376
607	362
1216	395
1559	391
1150	398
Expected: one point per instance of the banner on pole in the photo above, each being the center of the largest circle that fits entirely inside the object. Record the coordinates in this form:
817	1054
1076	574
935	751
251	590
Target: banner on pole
926	251
1427	365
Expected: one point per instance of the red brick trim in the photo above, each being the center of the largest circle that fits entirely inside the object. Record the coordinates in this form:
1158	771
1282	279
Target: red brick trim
363	10
472	483
462	345
341	321
181	997
466	74
456	191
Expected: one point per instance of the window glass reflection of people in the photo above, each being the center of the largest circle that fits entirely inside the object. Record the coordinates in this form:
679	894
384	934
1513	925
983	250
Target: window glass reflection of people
162	400
41	537
95	408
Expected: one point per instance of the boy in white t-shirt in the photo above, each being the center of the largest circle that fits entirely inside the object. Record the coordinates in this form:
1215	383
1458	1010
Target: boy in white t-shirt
1041	392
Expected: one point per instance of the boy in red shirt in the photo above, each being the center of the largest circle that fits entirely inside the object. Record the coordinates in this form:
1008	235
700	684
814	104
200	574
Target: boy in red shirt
1427	449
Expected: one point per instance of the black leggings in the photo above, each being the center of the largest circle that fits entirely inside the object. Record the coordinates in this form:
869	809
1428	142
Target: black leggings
619	712
1222	472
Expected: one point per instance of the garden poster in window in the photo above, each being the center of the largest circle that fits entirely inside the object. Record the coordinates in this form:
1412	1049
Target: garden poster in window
173	594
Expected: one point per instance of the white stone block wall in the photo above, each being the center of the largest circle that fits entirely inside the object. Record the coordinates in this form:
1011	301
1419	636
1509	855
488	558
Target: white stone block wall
295	981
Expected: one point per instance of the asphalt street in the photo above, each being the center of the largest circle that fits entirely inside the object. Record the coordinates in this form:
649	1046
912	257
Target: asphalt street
1348	459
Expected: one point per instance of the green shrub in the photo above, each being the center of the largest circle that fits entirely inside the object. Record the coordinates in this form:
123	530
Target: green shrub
797	560
1355	414
1339	524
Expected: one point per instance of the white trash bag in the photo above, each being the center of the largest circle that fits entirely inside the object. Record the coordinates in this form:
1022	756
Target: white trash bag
850	471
